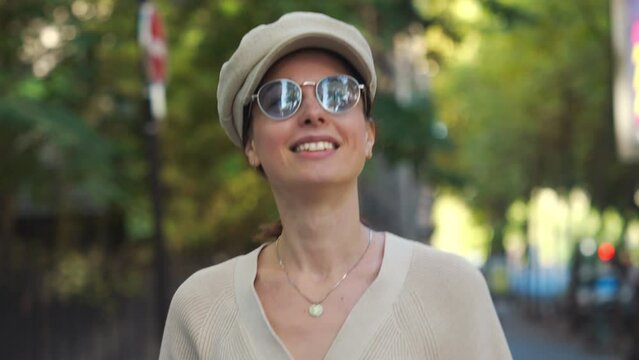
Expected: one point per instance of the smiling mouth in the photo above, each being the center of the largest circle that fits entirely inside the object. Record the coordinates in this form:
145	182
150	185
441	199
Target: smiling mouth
314	146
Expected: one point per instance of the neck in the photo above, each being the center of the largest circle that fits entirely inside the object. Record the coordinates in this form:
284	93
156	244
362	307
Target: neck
322	235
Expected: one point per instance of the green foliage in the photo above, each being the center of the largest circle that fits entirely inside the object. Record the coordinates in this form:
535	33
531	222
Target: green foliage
526	102
68	139
71	105
44	140
410	133
533	107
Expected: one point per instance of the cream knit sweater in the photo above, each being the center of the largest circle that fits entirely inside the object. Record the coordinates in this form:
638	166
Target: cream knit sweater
424	304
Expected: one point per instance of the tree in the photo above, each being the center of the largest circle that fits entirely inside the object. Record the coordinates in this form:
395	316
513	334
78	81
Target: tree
529	105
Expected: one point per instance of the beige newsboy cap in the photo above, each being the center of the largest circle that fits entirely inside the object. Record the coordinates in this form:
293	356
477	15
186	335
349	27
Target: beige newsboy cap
261	47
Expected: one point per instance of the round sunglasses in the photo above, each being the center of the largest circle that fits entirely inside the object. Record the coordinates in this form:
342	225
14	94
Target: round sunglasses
279	99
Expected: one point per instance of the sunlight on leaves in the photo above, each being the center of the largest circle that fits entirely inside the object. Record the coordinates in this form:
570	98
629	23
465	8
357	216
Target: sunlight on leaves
457	231
230	7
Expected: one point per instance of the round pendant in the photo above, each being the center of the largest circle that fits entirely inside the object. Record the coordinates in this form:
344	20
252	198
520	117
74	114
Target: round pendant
315	310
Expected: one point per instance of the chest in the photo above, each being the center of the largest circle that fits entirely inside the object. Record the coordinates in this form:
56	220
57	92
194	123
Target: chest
305	336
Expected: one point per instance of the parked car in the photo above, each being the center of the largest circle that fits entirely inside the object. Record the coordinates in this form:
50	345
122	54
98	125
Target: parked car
601	294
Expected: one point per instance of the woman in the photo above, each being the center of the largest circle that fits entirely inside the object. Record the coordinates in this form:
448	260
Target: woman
296	97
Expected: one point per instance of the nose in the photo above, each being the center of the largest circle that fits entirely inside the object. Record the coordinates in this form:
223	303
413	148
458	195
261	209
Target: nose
311	112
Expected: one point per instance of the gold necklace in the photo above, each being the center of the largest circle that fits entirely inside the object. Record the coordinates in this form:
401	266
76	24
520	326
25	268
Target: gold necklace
316	309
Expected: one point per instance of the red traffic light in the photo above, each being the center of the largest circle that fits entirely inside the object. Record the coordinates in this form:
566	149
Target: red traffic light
606	251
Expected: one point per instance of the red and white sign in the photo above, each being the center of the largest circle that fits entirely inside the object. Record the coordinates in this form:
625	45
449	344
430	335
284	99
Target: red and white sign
151	36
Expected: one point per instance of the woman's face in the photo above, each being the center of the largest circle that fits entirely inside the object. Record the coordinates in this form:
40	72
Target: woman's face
294	151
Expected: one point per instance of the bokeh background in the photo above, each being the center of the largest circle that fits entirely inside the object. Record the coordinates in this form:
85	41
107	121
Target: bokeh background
496	141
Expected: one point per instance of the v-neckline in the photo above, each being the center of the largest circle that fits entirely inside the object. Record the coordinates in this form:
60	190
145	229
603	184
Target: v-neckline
367	315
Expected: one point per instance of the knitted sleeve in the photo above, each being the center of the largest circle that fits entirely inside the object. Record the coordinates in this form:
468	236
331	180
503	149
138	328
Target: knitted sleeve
198	318
448	302
181	331
474	328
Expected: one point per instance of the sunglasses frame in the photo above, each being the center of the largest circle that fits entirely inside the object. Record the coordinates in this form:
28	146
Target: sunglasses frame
255	97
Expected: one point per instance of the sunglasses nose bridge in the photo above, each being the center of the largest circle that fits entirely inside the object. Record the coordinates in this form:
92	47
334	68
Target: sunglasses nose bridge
309	94
311	110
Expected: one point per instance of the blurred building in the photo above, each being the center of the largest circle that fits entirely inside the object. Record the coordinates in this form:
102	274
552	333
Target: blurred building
393	198
625	27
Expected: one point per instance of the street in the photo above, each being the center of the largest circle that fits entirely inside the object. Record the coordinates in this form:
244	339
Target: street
531	340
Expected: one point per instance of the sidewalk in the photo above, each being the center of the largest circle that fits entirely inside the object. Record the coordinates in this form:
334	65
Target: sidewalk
529	340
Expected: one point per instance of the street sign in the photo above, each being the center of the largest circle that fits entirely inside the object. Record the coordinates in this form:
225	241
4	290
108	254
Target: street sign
151	36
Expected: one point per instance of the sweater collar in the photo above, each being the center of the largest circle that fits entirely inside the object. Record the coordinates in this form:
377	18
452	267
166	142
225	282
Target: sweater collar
366	317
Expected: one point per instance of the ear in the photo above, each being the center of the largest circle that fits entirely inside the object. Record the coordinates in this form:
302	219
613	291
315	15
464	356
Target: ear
370	138
251	154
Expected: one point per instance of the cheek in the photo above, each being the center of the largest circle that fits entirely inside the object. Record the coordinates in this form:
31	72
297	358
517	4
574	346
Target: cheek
270	139
360	133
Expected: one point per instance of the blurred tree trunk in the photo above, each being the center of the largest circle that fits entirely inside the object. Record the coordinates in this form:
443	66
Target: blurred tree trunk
7	221
65	236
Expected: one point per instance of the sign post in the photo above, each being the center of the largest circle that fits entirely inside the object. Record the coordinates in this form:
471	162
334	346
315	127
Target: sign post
152	41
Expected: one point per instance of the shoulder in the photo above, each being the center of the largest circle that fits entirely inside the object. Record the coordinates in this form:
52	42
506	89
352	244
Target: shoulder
435	268
207	293
209	282
199	302
448	299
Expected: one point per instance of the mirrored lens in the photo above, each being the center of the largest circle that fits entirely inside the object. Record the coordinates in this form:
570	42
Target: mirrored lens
279	99
338	93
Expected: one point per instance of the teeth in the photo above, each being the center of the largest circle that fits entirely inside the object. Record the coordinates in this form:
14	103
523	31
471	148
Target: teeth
315	146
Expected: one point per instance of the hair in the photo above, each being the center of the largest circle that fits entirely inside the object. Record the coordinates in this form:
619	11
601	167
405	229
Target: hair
269	231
